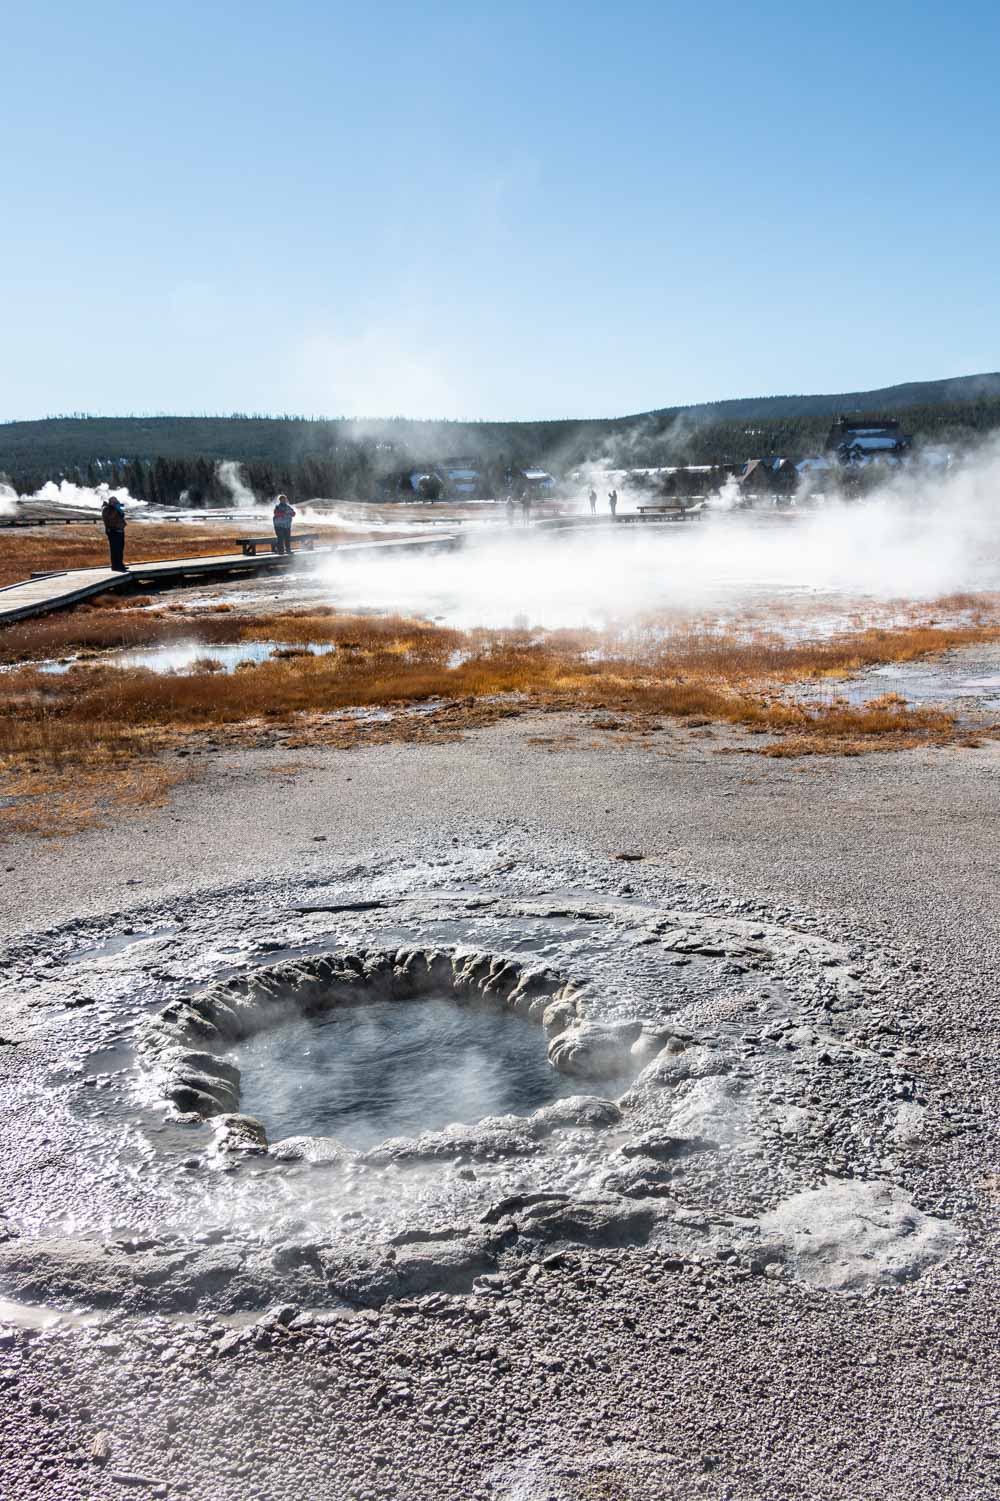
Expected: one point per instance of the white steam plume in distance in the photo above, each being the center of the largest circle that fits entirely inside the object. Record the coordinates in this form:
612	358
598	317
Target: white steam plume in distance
917	538
230	477
81	497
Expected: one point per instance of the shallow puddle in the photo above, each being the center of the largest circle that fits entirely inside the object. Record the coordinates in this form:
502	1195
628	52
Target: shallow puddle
187	655
111	946
109	1060
36	1316
945	682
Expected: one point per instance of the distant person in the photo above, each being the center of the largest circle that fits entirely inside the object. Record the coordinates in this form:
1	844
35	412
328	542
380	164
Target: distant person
283	517
613	501
113	516
510	510
526	506
593	502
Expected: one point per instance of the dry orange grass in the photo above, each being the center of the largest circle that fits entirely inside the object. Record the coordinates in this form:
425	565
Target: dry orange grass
116	622
417	680
104	627
49	796
383	661
83	544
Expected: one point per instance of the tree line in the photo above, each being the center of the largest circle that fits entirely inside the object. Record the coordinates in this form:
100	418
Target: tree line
182	460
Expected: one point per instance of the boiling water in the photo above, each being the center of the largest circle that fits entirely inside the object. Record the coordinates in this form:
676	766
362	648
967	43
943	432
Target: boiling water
395	1069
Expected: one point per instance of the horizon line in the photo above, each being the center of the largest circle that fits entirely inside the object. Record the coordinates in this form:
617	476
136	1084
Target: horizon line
236	416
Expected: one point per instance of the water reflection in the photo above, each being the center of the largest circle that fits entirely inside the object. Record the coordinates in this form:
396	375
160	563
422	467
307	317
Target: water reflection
184	656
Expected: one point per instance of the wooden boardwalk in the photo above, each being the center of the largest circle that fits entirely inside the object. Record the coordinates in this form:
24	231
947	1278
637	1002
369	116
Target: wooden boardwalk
55	591
605	522
46	592
174	570
444	541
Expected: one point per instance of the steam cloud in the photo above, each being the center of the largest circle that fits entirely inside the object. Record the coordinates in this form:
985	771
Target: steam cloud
81	497
917	538
230	477
367	1073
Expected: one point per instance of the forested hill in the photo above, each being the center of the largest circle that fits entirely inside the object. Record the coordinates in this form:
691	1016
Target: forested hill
921	393
341	457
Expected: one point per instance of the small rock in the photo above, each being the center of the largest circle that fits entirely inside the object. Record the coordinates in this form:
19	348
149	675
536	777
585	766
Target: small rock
283	1314
239	1133
100	1448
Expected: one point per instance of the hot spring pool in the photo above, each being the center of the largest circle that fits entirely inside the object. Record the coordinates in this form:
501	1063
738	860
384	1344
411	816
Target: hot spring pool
395	1068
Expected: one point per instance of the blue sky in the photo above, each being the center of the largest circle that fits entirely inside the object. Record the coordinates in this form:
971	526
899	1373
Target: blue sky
511	210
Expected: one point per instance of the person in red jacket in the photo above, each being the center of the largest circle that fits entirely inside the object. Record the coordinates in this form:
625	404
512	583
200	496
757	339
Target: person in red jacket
283	517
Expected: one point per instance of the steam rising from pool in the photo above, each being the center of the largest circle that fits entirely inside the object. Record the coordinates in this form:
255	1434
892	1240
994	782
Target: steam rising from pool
364	1074
916	539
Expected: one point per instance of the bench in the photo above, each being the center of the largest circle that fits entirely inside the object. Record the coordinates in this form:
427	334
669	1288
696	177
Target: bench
306	541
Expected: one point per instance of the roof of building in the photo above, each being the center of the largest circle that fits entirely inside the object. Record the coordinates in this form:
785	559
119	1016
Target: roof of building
866	432
869	442
760	467
816	462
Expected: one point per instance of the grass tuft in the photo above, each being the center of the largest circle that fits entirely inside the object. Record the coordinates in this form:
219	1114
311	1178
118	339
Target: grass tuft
405	679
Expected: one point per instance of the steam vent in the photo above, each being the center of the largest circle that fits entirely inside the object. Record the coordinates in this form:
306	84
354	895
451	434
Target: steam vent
340	1124
470	1123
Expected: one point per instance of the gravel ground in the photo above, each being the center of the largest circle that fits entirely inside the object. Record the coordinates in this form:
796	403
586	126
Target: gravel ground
590	1372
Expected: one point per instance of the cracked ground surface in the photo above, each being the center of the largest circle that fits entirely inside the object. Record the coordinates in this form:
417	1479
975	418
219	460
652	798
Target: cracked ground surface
673	1365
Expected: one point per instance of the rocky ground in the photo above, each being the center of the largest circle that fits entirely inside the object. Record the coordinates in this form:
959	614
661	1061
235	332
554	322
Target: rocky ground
686	1336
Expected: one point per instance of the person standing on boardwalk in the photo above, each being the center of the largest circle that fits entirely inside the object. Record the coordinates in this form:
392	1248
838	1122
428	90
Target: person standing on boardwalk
283	517
113	516
593	501
613	502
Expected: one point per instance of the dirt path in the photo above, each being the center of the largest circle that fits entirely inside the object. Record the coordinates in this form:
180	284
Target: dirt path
907	838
